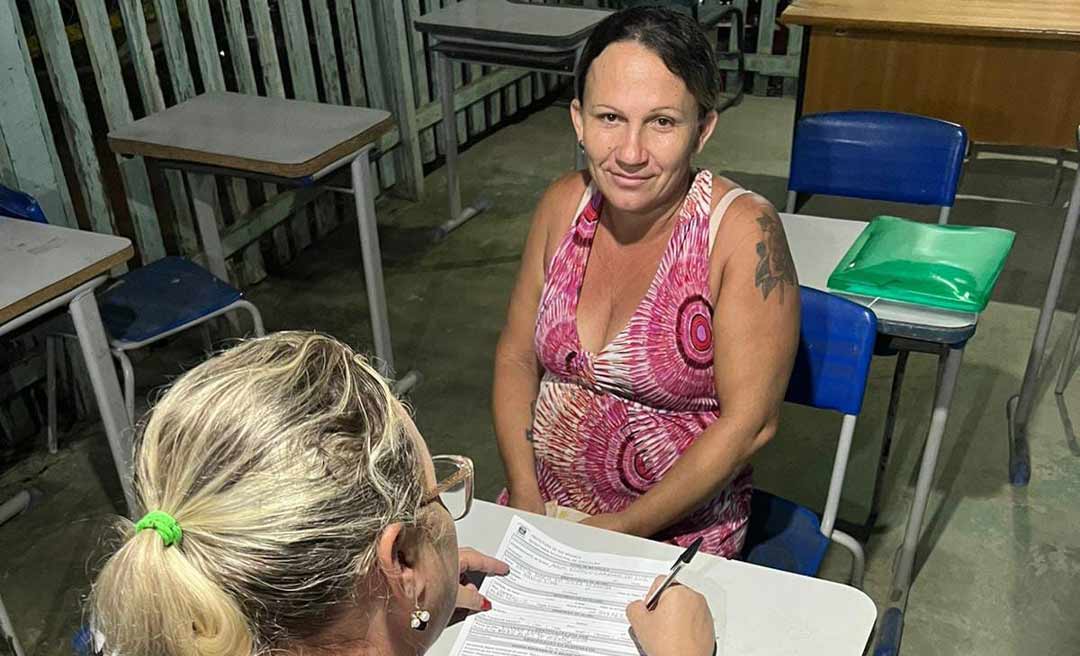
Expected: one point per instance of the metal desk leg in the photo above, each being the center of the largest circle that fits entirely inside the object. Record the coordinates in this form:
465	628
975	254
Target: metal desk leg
892	623
444	78
10	508
8	630
1019	407
99	364
373	273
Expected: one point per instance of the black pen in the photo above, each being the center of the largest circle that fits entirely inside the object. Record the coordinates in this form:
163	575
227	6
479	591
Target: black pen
683	560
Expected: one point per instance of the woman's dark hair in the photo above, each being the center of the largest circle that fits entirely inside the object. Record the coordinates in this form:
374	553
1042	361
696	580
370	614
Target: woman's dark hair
673	36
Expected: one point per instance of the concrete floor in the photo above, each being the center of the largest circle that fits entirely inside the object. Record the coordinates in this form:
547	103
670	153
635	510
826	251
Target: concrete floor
998	566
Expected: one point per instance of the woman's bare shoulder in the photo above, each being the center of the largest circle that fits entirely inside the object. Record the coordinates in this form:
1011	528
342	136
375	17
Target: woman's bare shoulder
556	207
749	215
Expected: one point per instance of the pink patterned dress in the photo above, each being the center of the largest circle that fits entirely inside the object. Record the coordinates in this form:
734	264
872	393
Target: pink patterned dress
609	425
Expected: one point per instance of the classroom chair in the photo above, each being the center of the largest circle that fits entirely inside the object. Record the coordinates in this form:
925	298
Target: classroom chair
141	307
877	156
836	343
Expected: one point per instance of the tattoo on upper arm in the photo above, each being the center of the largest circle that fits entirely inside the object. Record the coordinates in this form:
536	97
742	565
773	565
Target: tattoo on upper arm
532	422
775	268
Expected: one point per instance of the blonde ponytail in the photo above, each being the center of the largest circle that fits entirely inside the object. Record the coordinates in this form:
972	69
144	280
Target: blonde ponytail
150	599
282	460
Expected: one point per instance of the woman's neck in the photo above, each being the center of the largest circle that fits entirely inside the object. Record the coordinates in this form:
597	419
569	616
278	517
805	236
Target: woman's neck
633	227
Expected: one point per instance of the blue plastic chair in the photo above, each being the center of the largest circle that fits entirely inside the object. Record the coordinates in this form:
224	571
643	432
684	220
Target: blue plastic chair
836	343
141	307
878	156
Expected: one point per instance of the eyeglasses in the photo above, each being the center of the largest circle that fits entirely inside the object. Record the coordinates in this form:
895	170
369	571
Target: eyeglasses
453	485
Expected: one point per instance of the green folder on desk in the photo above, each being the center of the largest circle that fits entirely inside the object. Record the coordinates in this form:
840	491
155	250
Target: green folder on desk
949	267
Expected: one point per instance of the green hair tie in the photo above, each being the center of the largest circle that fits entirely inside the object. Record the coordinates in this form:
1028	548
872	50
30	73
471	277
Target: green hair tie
164	524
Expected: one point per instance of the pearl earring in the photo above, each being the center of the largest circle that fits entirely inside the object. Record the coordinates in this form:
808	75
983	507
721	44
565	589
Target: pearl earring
419	619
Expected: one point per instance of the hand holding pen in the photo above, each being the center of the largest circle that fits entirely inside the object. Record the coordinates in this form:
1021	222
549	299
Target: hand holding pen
679	622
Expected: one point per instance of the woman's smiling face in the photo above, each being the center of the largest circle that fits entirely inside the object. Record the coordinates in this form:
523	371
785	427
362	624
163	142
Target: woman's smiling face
640	126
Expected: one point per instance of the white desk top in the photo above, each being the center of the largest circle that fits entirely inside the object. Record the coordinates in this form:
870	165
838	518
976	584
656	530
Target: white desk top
274	136
767	611
512	23
39	262
817	245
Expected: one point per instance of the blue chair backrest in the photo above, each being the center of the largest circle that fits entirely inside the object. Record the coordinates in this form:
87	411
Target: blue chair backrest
879	156
18	205
836	342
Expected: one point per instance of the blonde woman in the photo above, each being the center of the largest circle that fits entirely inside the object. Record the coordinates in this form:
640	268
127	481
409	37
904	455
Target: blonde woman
295	509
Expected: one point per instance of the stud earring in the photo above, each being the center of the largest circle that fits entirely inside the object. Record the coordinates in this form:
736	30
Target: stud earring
419	619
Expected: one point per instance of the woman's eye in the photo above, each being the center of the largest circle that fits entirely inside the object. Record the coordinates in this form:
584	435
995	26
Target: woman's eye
664	122
609	118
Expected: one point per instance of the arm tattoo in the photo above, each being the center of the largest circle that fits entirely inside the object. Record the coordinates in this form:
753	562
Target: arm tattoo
532	422
775	268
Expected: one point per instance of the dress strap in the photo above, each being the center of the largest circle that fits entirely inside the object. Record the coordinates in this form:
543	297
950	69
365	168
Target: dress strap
721	209
590	189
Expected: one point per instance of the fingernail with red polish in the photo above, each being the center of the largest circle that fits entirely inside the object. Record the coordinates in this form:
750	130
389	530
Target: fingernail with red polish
486	605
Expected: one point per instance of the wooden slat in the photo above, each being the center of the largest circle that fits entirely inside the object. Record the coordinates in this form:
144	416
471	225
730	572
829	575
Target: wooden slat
294	26
172	37
778	65
208	54
266	43
731	79
236	31
326	47
142	57
477	114
524	92
462	131
101	47
350	50
420	75
65	82
794	55
266	217
397	71
244	70
495	100
28	159
7	169
766	29
430	114
376	89
326	212
183	84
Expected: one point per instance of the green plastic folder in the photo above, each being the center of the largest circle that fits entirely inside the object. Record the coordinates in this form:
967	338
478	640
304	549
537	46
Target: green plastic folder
950	267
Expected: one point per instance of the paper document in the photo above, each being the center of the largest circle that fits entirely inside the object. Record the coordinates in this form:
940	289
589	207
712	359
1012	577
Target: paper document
557	600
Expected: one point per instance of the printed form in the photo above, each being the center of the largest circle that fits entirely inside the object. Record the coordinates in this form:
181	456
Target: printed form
557	600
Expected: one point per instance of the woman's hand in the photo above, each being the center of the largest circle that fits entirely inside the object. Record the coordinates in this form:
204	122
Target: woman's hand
528	500
680	625
471	561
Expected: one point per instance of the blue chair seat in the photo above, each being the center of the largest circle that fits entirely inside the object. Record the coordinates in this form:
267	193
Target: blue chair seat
160	297
784	535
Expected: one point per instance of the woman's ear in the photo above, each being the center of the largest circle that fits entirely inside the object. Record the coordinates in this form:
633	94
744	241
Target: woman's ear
708	124
577	119
397	553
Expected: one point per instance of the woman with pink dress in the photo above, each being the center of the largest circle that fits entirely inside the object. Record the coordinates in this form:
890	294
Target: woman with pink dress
653	326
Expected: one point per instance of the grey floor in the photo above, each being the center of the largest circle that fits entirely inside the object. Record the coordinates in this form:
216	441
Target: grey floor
998	566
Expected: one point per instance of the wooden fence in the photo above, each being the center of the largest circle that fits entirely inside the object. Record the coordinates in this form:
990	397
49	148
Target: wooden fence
108	69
